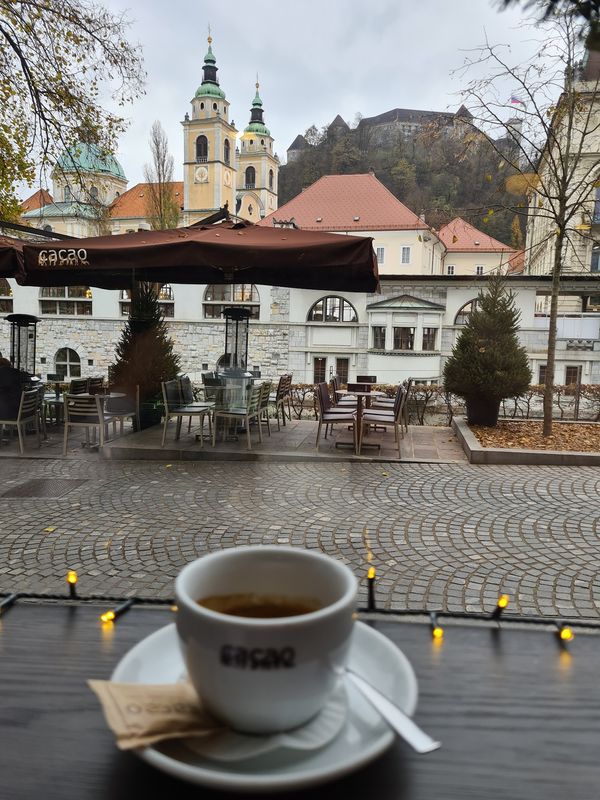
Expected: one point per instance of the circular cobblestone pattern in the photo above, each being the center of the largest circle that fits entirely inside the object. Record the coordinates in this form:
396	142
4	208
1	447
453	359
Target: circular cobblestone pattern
447	537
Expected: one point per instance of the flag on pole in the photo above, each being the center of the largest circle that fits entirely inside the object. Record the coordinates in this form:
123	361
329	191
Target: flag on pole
516	100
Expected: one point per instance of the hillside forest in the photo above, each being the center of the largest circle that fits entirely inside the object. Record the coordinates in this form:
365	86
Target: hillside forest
434	172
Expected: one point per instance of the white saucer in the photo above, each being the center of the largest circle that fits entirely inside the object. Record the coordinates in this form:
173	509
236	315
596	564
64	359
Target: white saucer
363	737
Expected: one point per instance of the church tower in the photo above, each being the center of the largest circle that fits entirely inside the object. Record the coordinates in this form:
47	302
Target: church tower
257	167
209	148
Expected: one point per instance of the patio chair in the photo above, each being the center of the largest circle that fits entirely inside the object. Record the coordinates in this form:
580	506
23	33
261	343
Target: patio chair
78	386
122	408
29	412
373	416
243	414
265	394
340	399
95	385
329	416
187	398
278	398
85	412
171	393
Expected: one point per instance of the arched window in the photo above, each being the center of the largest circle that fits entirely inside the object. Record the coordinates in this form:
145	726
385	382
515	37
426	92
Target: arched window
67	364
332	309
94	192
218	296
462	316
271	176
250	180
166	301
201	149
73	301
6	303
226	151
215	107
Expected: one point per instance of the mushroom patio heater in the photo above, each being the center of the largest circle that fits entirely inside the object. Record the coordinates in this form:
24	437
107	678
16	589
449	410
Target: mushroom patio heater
22	341
237	323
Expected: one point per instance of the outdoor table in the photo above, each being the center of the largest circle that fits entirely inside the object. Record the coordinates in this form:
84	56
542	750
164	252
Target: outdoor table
518	717
359	413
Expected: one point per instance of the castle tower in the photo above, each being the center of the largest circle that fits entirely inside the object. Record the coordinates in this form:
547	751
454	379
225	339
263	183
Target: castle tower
257	167
209	148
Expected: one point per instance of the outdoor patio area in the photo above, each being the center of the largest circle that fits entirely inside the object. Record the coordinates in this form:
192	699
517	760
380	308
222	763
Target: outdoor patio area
294	442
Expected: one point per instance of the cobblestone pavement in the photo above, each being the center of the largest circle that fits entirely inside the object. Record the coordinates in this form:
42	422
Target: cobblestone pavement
448	537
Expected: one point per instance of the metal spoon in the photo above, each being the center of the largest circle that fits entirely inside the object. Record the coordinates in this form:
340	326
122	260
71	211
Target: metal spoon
399	721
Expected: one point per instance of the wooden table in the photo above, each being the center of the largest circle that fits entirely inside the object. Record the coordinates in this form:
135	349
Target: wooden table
359	413
517	717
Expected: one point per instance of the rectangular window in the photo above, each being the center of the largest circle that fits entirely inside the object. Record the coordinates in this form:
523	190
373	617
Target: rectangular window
379	337
319	370
405	258
572	375
595	263
479	269
404	338
380	254
542	373
429	336
450	269
341	369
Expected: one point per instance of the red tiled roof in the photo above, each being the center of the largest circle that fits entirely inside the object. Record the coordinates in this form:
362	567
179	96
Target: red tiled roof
516	263
37	200
134	202
460	236
347	203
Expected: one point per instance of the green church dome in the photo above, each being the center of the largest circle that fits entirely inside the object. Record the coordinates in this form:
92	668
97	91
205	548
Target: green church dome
89	158
210	90
210	83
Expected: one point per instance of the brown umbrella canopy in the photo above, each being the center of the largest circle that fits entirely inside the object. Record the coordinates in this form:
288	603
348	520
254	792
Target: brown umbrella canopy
227	253
10	250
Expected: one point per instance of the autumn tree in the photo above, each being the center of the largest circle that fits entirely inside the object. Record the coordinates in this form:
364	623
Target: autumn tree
552	153
162	208
59	60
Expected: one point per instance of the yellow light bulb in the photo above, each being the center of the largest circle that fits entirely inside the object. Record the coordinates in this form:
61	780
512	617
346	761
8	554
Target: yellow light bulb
108	616
72	576
437	632
503	601
371	573
566	634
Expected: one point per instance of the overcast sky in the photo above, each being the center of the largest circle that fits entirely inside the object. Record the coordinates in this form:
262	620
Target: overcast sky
315	59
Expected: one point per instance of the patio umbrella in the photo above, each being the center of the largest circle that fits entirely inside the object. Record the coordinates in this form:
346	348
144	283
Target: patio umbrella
226	253
10	253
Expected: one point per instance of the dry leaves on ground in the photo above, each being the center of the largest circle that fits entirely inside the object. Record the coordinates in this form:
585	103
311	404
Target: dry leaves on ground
528	436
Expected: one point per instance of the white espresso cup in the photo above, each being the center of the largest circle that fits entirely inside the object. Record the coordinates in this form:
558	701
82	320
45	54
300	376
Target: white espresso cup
263	675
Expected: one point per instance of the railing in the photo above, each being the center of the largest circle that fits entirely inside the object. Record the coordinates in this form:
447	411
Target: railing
201	159
250	185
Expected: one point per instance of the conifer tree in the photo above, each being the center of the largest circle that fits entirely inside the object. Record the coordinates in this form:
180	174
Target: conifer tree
144	353
488	364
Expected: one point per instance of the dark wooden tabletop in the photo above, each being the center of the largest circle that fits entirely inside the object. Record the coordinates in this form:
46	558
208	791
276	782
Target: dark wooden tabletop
518	718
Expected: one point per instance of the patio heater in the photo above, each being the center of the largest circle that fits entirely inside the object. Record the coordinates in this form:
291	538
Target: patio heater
237	323
22	341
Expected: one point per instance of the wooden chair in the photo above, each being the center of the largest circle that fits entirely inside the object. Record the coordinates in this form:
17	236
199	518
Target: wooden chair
330	416
95	386
340	399
374	416
243	414
29	412
122	408
78	386
278	398
265	394
85	412
171	393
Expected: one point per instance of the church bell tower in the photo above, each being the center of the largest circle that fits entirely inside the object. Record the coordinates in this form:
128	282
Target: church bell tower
209	170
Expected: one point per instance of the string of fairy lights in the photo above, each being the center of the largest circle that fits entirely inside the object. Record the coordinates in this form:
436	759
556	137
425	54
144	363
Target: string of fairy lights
564	631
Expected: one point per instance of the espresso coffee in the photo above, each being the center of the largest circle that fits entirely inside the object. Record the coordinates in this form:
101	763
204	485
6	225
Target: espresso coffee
262	606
